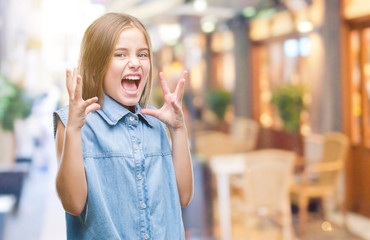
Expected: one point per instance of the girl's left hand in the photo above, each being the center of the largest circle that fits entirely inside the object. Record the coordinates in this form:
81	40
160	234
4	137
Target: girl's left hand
171	111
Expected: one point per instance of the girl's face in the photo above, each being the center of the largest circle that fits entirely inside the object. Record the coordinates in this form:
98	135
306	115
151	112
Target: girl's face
129	68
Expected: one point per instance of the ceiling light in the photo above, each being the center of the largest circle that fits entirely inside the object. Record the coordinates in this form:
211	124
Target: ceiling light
249	12
305	26
208	24
291	48
170	33
200	5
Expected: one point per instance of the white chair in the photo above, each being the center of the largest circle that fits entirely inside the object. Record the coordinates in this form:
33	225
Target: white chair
312	148
320	177
245	133
267	180
242	138
212	143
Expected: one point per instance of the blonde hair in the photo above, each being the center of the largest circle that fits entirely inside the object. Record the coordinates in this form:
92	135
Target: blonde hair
97	50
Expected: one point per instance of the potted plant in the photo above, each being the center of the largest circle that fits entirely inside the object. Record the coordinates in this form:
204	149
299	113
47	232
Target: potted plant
218	100
14	104
288	99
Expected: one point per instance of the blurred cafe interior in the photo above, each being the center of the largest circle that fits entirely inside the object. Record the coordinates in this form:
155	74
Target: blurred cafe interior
277	106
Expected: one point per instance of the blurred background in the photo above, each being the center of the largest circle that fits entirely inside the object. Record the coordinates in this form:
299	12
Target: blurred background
277	107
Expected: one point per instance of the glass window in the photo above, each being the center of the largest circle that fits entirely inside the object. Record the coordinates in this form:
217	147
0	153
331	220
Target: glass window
360	86
280	62
356	87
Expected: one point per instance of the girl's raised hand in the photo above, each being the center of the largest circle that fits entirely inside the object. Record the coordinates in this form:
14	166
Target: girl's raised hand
78	108
171	111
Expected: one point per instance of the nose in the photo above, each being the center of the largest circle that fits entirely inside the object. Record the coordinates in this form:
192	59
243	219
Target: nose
134	62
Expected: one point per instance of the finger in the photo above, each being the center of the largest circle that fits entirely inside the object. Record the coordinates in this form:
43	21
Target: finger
90	101
164	85
78	91
184	74
183	77
74	80
69	83
151	112
180	87
180	90
92	107
176	107
75	73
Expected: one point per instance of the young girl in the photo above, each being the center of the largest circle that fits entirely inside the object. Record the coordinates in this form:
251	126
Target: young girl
118	175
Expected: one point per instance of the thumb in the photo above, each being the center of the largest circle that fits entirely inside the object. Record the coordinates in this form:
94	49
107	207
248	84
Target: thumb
92	107
150	112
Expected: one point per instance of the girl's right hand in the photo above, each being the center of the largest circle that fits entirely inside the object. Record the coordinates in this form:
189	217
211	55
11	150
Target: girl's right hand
78	108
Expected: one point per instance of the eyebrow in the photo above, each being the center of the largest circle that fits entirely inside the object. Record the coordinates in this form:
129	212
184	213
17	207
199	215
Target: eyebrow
125	49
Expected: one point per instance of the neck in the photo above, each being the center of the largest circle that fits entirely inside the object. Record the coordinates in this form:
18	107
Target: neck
131	109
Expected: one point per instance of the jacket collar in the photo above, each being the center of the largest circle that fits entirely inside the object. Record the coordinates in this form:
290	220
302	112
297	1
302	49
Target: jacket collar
112	112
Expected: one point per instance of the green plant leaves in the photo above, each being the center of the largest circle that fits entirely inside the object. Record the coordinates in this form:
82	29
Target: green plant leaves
14	104
288	99
218	100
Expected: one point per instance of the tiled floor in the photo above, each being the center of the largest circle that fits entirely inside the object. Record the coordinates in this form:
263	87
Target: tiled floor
29	218
317	228
40	215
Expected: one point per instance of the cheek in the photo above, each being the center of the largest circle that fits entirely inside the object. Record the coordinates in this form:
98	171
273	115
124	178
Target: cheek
145	82
106	80
145	65
109	83
116	67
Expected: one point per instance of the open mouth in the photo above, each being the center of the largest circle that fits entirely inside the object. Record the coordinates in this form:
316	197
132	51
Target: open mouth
130	83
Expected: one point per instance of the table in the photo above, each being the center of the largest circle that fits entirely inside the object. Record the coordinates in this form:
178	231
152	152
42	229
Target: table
223	166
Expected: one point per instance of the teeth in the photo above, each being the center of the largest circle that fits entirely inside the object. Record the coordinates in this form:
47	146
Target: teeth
132	78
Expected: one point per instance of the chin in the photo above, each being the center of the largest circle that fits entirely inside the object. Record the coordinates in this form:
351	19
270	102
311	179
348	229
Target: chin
129	103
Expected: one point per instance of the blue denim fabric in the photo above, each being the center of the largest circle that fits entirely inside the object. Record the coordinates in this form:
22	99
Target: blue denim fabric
132	190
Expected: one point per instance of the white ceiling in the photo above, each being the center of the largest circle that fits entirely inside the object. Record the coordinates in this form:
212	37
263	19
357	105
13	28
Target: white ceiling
153	12
150	11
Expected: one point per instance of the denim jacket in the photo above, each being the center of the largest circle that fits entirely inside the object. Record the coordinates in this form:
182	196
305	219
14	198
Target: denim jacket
132	190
